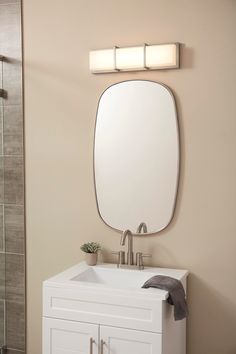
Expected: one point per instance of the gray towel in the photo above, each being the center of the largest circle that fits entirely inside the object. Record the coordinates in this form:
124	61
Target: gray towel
176	293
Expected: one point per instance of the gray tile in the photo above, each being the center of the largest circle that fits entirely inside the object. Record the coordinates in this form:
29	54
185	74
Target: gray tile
13	130
13	145
12	55
2	276
1	122
15	325
10	48
14	228
12	269
14	8
10	14
13	180
15	277
2	321
10	29
1	181
1	228
1	98
13	120
12	82
6	2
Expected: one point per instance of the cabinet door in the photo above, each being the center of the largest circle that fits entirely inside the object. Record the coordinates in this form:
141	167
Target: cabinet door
125	341
68	337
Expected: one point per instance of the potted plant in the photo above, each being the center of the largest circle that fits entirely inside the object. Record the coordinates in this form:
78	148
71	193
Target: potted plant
91	252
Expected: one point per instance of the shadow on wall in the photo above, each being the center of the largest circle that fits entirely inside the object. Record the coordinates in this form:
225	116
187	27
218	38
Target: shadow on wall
187	57
213	311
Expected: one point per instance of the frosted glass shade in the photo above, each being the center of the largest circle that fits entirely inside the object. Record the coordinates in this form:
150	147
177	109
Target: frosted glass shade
130	58
146	57
102	60
162	56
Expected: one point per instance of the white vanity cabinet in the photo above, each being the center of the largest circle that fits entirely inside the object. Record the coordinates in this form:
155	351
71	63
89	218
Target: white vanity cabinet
126	341
69	337
95	317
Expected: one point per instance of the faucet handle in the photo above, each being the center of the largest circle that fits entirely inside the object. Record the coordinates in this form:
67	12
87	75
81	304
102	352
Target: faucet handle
121	257
147	255
139	259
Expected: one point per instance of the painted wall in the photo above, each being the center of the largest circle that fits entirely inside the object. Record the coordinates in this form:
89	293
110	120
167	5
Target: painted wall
60	105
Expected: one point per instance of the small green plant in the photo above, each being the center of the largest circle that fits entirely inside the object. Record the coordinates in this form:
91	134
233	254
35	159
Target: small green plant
90	247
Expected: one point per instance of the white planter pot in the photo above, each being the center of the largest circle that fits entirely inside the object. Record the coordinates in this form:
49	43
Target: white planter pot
91	258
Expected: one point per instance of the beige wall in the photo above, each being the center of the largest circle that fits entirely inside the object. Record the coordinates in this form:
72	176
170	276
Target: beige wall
60	105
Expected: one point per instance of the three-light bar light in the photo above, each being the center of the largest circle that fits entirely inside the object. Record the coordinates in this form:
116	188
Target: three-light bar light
146	57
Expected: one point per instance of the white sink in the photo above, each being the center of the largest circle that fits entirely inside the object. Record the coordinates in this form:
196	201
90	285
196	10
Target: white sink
121	278
107	277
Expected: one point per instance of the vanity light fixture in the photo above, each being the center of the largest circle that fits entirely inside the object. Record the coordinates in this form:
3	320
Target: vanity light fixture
145	57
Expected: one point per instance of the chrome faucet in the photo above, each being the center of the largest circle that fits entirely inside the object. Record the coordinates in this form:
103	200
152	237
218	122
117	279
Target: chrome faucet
130	263
130	253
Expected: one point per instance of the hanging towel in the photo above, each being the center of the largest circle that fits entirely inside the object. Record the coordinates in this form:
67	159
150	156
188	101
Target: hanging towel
176	293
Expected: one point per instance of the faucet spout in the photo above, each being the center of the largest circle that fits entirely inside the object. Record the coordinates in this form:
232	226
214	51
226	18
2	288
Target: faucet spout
141	227
129	235
124	235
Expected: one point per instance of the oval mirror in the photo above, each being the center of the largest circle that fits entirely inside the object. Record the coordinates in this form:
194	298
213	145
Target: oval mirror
136	156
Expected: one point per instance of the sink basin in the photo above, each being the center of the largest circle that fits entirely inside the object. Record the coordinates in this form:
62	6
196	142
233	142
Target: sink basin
115	277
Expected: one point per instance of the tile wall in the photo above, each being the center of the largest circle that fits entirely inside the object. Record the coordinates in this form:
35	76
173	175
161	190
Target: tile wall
12	234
